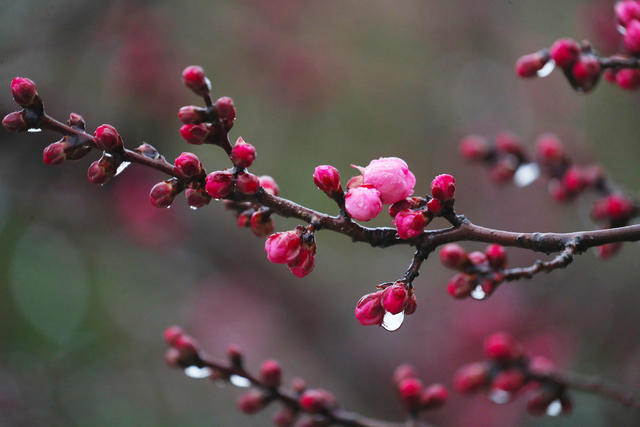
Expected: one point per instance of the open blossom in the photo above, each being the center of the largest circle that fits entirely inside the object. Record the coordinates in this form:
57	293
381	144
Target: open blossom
363	203
391	177
283	248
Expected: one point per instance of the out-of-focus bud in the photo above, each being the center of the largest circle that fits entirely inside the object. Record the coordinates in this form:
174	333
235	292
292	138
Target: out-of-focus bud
410	391
261	225
434	396
474	147
316	400
271	373
564	52
471	377
453	256
528	65
251	402
549	149
510	380
502	347
496	255
460	285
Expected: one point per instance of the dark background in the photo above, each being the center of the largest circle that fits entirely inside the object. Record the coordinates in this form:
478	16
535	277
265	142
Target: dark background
90	276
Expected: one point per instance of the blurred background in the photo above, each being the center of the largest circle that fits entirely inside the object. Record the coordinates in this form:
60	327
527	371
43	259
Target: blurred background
90	276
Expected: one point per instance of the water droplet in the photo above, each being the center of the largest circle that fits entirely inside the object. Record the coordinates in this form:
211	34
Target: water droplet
499	396
34	130
555	408
478	293
392	322
122	167
547	69
526	174
197	372
239	381
622	29
193	208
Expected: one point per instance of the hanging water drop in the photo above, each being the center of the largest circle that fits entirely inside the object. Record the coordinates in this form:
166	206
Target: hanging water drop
622	29
193	208
122	167
555	408
392	322
197	372
34	130
547	69
526	174
478	293
239	381
499	396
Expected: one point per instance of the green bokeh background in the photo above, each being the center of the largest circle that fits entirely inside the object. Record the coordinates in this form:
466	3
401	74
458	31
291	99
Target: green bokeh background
90	276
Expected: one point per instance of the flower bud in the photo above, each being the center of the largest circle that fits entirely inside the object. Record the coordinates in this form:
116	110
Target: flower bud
248	183
502	347
284	247
369	310
101	171
196	197
631	38
403	372
586	72
503	171
327	179
540	401
194	134
616	207
497	256
243	154
400	206
434	396
172	357
188	165
410	223
251	402
316	400
305	261
285	417
474	147
443	187
162	194
194	78
269	184
226	111
76	121
191	115
573	180
410	391
395	297
549	149
412	304
453	256
270	373
627	11
363	203
470	377
54	154
478	258
528	65
509	142
460	285
434	206
171	334
219	184
107	138
608	250
564	52
14	122
628	78
261	225
510	380
24	91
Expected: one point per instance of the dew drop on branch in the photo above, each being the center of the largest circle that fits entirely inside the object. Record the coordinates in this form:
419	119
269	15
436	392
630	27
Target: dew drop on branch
526	174
478	293
122	167
239	381
555	408
197	372
499	396
193	208
547	69
392	322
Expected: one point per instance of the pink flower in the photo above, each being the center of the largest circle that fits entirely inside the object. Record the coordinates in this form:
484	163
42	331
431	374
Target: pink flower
391	177
305	261
395	298
443	187
269	184
283	248
363	203
369	310
410	223
327	178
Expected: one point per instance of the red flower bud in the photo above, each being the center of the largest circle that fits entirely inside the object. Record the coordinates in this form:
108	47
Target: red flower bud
434	206
195	80
194	134
501	346
627	11
564	52
14	122
196	197
395	297
434	396
410	223
327	179
261	226
162	194
24	91
586	72
412	304
403	372
528	65
608	250
478	258
171	334
271	373
474	147
316	400
285	417
628	78
188	165
410	391
549	148
470	377
573	180
460	285
509	142
226	111
305	261
251	402
284	247
219	184
77	121
107	138
269	184
453	256
54	154
369	310
631	38
503	171
443	187
101	171
510	380
243	154
191	115
248	183
497	256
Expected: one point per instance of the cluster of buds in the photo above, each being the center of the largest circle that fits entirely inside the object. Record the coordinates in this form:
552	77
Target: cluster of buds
254	215
479	272
414	395
508	372
566	180
383	306
580	63
296	248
